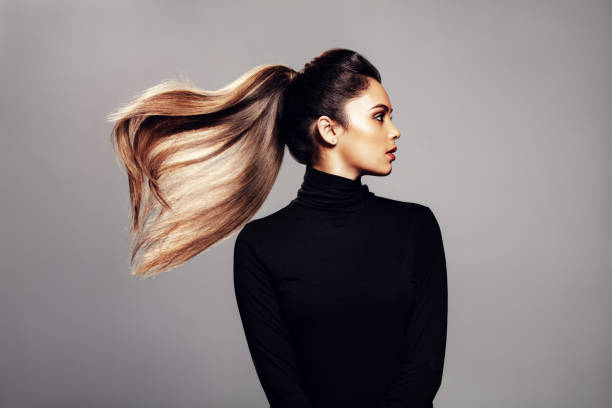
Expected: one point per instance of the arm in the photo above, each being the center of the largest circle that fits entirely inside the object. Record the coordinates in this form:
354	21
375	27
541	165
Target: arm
425	338
267	338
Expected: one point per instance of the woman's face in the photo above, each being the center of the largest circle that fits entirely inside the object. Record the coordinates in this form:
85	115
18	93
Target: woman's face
362	147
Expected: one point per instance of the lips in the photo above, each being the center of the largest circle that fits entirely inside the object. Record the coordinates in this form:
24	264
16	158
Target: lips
390	153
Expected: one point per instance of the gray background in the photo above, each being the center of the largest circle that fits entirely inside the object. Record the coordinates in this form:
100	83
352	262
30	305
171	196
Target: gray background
505	110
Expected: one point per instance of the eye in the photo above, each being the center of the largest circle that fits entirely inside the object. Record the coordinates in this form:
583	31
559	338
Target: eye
381	116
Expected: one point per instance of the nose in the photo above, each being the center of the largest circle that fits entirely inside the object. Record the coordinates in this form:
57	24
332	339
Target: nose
395	134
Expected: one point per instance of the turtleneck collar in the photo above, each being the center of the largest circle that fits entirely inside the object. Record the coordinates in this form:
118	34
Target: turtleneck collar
331	192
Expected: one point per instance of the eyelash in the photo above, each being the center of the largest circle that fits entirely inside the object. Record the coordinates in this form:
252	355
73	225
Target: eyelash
382	114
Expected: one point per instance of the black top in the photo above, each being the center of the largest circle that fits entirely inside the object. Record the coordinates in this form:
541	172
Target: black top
343	298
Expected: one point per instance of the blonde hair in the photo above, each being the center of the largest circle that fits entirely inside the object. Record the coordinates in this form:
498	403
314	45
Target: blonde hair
199	163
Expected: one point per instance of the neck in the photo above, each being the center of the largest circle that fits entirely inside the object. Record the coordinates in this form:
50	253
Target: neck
331	192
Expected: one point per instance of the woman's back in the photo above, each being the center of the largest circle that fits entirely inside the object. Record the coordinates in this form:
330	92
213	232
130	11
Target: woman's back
343	298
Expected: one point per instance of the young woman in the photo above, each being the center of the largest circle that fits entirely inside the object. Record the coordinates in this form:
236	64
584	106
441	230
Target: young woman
342	294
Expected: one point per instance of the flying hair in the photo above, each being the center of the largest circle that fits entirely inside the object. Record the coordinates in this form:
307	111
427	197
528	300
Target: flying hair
200	163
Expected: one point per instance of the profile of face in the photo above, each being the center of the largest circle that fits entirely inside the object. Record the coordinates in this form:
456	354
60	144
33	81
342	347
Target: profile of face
363	147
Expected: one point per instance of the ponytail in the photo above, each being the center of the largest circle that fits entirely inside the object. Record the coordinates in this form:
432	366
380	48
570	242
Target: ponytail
199	163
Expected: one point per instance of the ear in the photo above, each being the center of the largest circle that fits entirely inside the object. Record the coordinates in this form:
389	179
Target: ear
328	129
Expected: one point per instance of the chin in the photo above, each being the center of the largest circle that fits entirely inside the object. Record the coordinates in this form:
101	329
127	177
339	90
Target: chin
382	171
387	168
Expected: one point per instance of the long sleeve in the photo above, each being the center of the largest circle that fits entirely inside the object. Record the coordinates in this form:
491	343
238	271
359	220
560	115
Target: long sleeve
267	338
425	339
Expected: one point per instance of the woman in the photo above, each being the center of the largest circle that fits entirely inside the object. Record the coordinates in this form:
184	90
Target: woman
342	294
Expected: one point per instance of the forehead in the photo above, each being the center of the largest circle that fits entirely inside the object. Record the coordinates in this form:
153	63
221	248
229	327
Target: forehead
374	95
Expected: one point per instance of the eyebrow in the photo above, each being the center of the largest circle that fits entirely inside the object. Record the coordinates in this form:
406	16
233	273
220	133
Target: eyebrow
381	105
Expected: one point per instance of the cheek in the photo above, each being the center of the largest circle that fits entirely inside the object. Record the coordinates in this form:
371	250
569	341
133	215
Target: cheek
364	149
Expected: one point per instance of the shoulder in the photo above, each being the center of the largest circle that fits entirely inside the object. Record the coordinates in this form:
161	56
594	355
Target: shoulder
414	218
258	229
407	210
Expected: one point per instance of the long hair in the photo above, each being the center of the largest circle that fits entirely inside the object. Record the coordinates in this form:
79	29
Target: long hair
201	163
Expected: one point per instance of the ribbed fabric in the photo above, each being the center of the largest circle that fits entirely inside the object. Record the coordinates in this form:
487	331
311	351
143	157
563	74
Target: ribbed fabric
343	298
328	191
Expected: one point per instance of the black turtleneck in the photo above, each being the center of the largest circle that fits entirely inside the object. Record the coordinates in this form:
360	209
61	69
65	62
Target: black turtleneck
326	191
343	298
